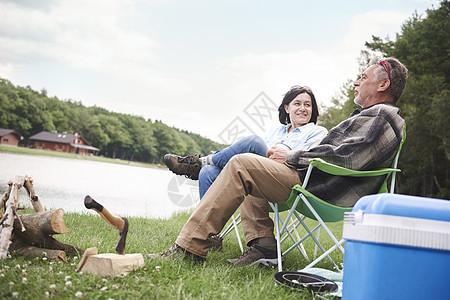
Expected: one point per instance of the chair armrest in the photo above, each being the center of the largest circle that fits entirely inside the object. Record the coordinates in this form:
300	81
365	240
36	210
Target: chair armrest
341	171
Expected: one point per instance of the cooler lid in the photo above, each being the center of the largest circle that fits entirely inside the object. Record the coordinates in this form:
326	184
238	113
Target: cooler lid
404	205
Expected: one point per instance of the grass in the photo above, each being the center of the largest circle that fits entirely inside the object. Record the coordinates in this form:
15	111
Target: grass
38	278
33	151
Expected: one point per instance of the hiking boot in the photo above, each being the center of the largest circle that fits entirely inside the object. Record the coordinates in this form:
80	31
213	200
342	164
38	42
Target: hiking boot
217	243
188	166
257	255
176	253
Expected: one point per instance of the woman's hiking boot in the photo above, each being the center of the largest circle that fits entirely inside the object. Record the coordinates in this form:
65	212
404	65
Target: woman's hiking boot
188	166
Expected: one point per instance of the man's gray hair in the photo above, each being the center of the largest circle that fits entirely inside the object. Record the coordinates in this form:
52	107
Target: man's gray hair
398	74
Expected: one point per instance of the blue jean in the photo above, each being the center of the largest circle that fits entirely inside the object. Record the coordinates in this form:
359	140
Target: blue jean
209	173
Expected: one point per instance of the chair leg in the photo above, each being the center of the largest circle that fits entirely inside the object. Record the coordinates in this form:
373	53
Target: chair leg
315	248
319	219
235	225
277	229
337	244
288	229
235	221
326	253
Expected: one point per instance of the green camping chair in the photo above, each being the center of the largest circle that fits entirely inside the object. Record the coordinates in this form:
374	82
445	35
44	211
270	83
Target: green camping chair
302	203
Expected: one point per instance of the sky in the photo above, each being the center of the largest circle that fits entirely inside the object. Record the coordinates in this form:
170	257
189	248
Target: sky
196	65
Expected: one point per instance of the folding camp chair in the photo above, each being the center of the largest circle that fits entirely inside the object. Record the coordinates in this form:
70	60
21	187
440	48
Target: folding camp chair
291	230
302	203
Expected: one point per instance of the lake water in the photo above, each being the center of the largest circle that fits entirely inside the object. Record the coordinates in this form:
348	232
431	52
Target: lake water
122	189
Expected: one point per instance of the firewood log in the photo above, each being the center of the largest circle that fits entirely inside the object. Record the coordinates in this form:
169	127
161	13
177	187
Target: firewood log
34	237
32	252
48	222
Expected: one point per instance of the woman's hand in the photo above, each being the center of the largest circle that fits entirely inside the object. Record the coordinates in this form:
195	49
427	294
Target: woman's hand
277	154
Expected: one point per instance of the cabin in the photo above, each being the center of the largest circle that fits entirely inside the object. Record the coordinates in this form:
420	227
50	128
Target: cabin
62	142
10	137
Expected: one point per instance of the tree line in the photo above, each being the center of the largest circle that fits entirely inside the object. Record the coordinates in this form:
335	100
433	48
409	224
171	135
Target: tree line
423	46
117	135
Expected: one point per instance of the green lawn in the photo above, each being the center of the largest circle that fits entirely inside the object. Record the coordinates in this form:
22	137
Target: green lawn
39	278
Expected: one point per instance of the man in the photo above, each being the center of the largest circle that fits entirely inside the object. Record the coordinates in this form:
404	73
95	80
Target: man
368	139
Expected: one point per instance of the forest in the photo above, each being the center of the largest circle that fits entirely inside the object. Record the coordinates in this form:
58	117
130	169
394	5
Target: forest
117	135
422	45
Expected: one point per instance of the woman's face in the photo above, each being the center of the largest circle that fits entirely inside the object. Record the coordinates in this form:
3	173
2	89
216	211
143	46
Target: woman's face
299	110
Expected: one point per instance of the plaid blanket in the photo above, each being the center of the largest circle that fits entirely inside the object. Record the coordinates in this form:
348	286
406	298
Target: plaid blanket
367	140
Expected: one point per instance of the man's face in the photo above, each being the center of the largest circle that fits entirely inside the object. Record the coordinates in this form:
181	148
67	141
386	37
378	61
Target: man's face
366	87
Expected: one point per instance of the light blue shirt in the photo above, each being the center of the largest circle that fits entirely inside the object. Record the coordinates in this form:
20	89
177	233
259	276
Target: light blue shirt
300	138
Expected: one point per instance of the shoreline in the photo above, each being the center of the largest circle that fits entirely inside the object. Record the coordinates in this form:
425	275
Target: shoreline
32	151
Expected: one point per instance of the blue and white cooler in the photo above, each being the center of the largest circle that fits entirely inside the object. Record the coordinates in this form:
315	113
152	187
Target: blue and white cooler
397	247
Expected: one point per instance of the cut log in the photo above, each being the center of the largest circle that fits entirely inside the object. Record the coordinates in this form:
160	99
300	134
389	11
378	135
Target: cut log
48	222
34	237
32	252
112	264
28	184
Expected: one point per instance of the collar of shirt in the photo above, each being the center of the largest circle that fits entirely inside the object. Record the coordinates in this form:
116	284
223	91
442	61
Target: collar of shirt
306	126
358	110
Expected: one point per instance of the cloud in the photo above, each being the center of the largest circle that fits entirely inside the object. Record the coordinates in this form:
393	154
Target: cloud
325	71
84	34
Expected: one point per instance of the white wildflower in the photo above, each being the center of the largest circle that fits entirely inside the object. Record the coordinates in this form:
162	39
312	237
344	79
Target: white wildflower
75	257
44	258
104	288
24	280
52	286
47	294
78	294
11	284
15	295
44	253
104	279
68	283
67	277
24	272
115	286
17	266
60	273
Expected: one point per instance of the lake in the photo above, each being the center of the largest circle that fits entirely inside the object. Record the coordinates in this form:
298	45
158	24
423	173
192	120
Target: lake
124	190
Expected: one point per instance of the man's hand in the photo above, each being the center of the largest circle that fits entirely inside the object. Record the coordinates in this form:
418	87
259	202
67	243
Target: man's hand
277	154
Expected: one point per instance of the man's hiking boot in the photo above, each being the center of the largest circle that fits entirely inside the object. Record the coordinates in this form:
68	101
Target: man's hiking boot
176	253
256	254
188	166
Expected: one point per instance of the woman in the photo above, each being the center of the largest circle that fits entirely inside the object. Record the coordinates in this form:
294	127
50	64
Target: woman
297	112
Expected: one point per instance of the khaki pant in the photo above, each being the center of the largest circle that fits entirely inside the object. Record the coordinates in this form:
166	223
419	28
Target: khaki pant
248	181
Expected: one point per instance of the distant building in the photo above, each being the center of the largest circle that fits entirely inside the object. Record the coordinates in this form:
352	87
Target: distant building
64	142
9	137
